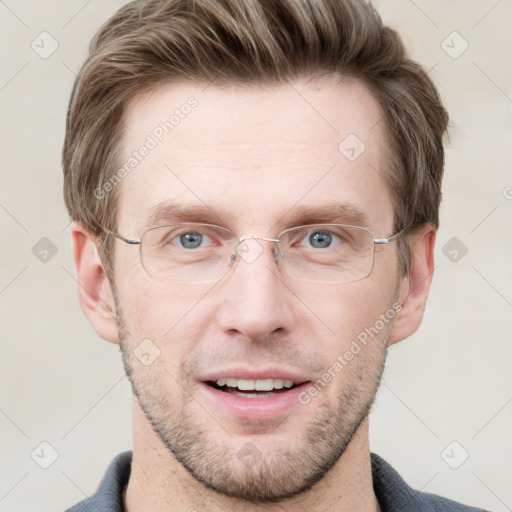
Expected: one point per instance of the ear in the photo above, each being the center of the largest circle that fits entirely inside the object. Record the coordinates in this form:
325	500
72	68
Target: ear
94	290
414	287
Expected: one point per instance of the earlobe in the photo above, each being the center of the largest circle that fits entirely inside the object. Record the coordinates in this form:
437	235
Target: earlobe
414	287
94	289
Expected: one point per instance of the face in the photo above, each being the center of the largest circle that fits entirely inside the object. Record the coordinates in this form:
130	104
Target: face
254	157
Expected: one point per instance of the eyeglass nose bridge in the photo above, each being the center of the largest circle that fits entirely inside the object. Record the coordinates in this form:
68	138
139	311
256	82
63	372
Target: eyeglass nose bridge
251	258
247	237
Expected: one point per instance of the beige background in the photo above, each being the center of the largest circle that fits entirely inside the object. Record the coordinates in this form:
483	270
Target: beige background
450	382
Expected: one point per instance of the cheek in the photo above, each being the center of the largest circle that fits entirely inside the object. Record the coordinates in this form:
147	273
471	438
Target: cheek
165	313
345	311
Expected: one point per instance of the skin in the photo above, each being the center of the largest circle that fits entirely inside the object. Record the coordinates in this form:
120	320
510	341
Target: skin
251	155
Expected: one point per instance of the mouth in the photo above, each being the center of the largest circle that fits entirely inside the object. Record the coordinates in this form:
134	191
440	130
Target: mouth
253	393
250	388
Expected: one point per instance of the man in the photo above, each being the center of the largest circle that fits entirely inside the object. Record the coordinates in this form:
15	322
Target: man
255	190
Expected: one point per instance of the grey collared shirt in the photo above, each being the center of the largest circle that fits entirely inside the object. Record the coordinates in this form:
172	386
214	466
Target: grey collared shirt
393	493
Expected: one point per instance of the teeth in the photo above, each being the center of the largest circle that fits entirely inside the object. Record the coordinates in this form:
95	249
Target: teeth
278	383
245	384
232	383
258	385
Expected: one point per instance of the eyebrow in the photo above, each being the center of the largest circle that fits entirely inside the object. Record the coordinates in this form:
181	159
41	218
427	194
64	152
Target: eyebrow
175	212
335	213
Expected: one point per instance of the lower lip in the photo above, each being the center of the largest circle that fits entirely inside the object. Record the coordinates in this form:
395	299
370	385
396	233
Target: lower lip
254	408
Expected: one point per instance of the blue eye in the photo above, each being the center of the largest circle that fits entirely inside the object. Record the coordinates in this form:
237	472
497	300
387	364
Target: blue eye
321	239
189	240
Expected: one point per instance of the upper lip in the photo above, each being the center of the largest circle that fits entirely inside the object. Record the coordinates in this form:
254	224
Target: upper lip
256	374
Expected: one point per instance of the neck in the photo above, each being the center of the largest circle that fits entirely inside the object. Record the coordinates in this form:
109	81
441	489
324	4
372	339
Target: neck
159	482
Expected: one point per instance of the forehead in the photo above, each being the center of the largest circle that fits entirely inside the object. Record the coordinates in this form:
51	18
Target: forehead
252	155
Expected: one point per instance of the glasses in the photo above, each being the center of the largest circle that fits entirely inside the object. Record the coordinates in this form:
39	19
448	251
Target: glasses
202	253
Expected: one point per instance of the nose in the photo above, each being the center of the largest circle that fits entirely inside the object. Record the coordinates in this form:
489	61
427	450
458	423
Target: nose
257	300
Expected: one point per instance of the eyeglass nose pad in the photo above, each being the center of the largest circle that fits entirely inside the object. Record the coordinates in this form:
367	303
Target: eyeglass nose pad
278	254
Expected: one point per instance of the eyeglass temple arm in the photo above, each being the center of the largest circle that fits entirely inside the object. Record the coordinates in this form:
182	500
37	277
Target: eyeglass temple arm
122	238
383	241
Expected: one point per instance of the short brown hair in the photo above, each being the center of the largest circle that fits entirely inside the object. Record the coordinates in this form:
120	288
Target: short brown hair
257	42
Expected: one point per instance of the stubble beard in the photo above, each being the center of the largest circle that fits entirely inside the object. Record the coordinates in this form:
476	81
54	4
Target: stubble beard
281	474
